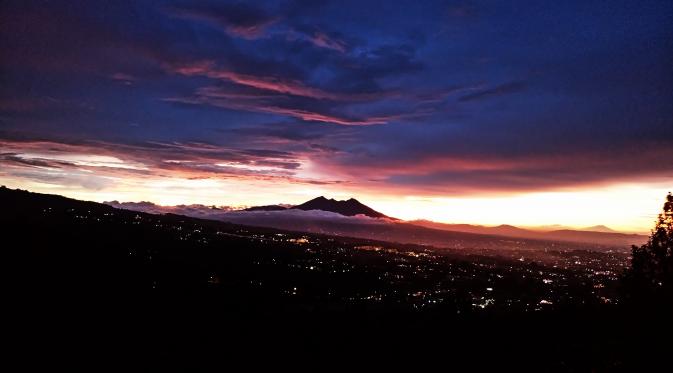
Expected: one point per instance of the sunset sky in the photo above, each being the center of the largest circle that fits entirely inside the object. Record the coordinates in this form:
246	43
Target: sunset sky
490	112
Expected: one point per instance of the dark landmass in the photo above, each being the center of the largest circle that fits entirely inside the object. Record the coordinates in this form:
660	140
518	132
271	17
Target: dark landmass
266	208
184	285
349	207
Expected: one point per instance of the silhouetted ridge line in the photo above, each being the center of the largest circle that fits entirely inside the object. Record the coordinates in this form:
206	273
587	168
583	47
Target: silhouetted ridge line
350	207
266	208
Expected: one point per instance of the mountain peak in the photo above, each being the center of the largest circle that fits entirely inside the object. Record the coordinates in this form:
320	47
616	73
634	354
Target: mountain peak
599	228
266	208
350	207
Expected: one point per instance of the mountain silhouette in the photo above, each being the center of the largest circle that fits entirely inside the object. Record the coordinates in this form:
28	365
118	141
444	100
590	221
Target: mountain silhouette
266	208
596	234
349	207
599	228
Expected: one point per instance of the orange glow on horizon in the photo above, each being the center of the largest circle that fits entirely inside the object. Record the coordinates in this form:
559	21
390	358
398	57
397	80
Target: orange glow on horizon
623	207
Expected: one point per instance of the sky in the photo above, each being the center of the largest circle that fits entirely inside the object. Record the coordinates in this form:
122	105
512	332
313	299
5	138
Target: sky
490	112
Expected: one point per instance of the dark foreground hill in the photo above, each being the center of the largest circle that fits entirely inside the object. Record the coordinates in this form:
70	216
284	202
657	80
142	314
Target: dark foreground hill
89	280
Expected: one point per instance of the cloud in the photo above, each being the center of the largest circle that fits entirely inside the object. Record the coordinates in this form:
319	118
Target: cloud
194	210
206	97
273	84
48	171
123	78
503	89
317	117
282	132
52	160
324	148
403	99
277	95
458	174
322	40
10	158
461	11
319	38
385	60
239	19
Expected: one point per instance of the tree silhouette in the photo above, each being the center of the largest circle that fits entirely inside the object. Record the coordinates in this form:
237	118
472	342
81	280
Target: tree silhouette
651	275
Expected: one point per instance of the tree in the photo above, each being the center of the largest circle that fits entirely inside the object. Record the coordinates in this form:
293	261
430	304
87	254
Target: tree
650	277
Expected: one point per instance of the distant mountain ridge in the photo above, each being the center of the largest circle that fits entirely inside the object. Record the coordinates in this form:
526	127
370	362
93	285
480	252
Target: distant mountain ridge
266	208
503	230
597	234
599	228
354	219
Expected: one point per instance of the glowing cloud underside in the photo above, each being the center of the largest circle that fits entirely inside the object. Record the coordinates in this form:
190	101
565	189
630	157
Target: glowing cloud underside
463	116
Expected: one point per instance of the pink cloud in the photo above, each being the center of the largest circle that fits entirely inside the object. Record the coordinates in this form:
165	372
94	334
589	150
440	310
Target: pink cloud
297	113
322	40
193	160
123	78
493	174
273	84
237	20
269	83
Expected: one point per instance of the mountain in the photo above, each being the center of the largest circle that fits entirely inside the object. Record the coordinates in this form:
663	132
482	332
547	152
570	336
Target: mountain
599	228
497	239
349	207
502	230
597	235
559	227
547	228
266	208
352	218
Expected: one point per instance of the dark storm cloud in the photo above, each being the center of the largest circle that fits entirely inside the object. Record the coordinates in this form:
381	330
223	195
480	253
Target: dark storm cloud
428	96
